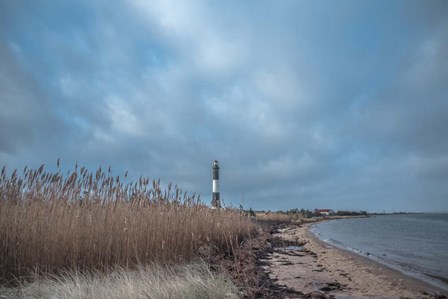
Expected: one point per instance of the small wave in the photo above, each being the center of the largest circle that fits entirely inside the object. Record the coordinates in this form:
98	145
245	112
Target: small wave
354	249
336	242
438	278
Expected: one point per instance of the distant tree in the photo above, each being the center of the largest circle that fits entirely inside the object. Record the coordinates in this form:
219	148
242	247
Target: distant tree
351	213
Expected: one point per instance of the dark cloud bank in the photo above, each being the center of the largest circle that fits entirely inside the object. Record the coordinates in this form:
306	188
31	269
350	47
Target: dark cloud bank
305	103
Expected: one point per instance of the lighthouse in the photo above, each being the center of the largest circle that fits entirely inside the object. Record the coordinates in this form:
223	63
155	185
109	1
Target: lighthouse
215	185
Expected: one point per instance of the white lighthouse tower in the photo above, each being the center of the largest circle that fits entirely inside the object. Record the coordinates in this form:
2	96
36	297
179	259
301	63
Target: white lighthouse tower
216	203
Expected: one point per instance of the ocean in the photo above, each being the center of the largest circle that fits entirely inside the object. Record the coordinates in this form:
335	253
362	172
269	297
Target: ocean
414	244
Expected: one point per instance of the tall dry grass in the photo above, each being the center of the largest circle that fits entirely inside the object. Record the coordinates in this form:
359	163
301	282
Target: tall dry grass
51	222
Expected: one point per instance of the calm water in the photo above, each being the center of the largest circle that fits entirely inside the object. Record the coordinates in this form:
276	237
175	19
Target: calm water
414	244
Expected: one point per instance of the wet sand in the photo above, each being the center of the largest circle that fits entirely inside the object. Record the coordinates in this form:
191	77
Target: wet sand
319	270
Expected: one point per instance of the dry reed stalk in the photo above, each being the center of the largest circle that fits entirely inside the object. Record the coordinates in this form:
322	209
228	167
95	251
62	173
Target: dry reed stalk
92	221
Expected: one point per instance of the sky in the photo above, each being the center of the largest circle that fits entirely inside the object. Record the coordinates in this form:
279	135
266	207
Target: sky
305	104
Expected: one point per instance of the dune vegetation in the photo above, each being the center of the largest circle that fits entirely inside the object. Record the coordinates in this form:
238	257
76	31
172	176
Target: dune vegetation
189	281
94	222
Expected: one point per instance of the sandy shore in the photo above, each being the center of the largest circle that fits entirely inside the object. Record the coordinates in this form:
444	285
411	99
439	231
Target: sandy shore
319	270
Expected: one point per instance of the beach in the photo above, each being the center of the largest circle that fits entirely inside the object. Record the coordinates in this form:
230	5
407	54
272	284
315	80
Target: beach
312	268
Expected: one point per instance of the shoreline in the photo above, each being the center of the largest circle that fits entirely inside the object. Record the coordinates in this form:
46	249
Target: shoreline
376	263
435	282
316	267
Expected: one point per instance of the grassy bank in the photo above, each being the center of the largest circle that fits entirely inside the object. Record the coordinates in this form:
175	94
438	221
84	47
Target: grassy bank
52	223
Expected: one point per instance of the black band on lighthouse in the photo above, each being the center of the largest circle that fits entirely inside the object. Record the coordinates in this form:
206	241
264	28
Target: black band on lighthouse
215	185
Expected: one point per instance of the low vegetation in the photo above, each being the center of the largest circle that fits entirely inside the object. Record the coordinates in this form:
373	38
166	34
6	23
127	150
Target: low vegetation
52	223
188	281
277	217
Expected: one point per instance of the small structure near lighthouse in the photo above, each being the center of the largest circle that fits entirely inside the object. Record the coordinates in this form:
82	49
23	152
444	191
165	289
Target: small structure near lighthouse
216	203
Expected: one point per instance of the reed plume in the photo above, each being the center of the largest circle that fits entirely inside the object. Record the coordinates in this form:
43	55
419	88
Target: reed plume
52	222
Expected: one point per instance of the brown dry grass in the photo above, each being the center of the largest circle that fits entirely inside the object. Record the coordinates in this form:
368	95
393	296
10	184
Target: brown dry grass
278	217
50	222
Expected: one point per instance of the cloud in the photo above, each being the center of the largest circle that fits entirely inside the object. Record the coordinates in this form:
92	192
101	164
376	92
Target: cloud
304	104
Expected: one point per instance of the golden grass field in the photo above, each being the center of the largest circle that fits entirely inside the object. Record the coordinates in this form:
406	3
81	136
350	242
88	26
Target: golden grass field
51	223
